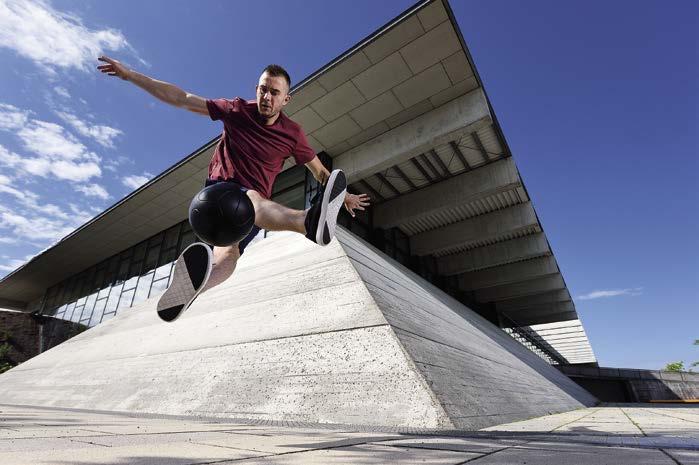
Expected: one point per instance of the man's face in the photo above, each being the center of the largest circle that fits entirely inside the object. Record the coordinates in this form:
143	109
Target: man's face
272	94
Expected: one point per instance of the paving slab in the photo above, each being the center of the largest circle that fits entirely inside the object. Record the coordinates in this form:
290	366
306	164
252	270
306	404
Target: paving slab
615	435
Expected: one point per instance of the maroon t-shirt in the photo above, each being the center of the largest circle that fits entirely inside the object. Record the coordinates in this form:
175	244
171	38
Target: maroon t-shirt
250	152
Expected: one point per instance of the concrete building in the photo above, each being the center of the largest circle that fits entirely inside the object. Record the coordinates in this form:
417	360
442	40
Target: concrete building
405	115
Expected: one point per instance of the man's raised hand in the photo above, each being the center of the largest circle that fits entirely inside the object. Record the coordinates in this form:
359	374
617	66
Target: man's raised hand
113	67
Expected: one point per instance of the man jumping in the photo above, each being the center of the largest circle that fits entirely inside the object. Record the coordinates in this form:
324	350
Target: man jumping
257	138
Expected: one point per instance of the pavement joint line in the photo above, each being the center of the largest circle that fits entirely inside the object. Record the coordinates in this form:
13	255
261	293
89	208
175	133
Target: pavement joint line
119	434
88	442
230	447
490	453
298	451
673	417
573	421
411	446
670	456
634	423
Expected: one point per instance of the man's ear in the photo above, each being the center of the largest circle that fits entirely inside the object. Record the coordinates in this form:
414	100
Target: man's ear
286	100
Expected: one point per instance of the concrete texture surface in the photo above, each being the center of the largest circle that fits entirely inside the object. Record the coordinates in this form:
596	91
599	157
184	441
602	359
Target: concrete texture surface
633	434
336	334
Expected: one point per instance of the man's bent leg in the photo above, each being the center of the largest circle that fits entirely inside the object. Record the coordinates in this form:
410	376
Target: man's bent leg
275	217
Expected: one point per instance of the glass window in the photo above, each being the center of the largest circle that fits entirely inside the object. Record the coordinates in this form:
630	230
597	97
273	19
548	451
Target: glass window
139	252
107	317
89	305
103	293
171	236
97	312
70	308
135	269
123	271
187	239
143	287
77	313
158	286
163	271
155	240
126	298
113	299
151	259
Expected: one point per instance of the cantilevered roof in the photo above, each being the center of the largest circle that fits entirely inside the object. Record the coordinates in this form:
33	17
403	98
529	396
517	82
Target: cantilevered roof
405	115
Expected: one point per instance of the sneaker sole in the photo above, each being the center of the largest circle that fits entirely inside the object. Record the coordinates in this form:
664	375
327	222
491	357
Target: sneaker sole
333	198
192	270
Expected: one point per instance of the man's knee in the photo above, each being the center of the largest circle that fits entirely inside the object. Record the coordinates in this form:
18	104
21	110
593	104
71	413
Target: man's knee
228	252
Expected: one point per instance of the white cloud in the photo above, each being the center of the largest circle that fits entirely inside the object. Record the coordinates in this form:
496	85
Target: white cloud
12	117
77	171
50	139
33	227
93	190
52	39
135	181
114	164
103	135
611	293
57	152
62	91
8	240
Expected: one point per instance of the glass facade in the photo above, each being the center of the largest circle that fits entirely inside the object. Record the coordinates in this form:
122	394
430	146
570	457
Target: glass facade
129	277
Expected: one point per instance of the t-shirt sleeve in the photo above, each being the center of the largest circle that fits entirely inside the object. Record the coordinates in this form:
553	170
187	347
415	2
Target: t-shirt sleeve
223	109
303	153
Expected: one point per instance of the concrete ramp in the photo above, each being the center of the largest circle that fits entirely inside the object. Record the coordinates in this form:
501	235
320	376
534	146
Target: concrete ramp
336	334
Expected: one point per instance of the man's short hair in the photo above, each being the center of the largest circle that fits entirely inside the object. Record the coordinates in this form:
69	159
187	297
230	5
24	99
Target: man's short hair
276	70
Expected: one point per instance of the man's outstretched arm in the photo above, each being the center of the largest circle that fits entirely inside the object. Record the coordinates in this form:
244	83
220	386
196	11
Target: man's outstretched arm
164	91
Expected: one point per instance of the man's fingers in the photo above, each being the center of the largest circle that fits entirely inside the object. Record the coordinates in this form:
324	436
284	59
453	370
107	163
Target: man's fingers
106	59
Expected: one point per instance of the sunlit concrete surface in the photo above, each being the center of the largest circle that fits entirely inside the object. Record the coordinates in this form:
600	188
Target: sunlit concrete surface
615	435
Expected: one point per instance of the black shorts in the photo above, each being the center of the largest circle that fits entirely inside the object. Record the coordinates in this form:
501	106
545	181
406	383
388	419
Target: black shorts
255	229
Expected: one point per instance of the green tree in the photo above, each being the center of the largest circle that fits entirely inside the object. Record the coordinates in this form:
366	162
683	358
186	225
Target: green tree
674	366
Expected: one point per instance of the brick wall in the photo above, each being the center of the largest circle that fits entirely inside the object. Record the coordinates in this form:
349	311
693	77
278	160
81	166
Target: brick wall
28	334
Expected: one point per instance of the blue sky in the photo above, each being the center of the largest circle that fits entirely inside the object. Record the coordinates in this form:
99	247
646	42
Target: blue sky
598	102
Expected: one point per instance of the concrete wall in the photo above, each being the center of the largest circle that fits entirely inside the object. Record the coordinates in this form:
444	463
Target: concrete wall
330	334
636	385
478	373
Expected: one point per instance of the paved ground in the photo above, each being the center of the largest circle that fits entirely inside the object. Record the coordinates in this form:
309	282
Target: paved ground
616	434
